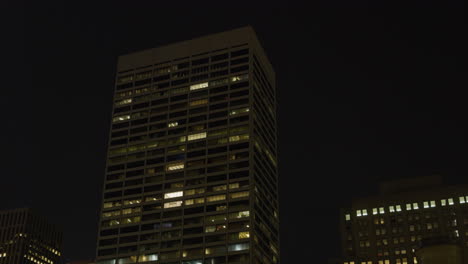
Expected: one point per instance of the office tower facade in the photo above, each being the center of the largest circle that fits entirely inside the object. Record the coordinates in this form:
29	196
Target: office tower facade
27	238
191	174
392	227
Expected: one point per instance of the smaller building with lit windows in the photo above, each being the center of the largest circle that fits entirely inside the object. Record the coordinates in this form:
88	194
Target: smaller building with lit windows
27	238
389	228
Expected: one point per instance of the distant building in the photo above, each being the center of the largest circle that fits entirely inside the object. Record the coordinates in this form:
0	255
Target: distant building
439	250
389	228
192	172
27	238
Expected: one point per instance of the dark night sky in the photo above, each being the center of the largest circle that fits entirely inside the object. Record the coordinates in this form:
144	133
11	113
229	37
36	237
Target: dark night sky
366	92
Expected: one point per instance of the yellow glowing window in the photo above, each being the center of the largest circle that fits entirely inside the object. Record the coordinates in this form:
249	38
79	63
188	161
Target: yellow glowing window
219	188
450	201
173	204
234	185
121	118
358	213
175	166
199	102
150	257
462	199
443	202
197	136
239	78
241	214
374	211
135	201
239	111
347	217
382	210
391	209
210	229
408	207
111	213
243	235
238	138
198	86
398	208
173	124
124	101
173	194
239	195
216	198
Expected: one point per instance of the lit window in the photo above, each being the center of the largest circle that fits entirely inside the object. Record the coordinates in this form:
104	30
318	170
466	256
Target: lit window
219	188
358	213
234	185
382	210
450	201
197	136
347	217
415	206
398	208
145	258
238	138
374	211
172	204
173	194
433	204
241	214
239	78
173	124
426	204
238	247
216	198
121	118
462	199
135	201
364	212
199	102
175	166
245	234
198	86
239	111
124	102
443	202
239	194
391	208
408	207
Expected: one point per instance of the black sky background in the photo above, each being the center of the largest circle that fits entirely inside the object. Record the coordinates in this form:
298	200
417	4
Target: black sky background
366	92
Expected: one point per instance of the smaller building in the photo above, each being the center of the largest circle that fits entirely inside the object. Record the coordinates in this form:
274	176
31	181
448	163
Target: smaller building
389	228
27	238
439	250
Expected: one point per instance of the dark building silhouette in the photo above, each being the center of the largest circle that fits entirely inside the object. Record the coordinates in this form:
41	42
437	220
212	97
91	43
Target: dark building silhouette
192	162
27	238
391	227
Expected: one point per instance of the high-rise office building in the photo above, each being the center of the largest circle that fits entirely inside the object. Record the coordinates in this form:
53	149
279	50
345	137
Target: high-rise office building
391	227
27	238
191	174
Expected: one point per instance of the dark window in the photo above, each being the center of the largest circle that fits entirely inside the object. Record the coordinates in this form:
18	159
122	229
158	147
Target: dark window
219	57
239	69
239	53
200	61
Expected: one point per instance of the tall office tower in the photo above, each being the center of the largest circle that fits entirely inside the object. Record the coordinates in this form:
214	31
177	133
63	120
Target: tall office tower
27	238
192	170
392	227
